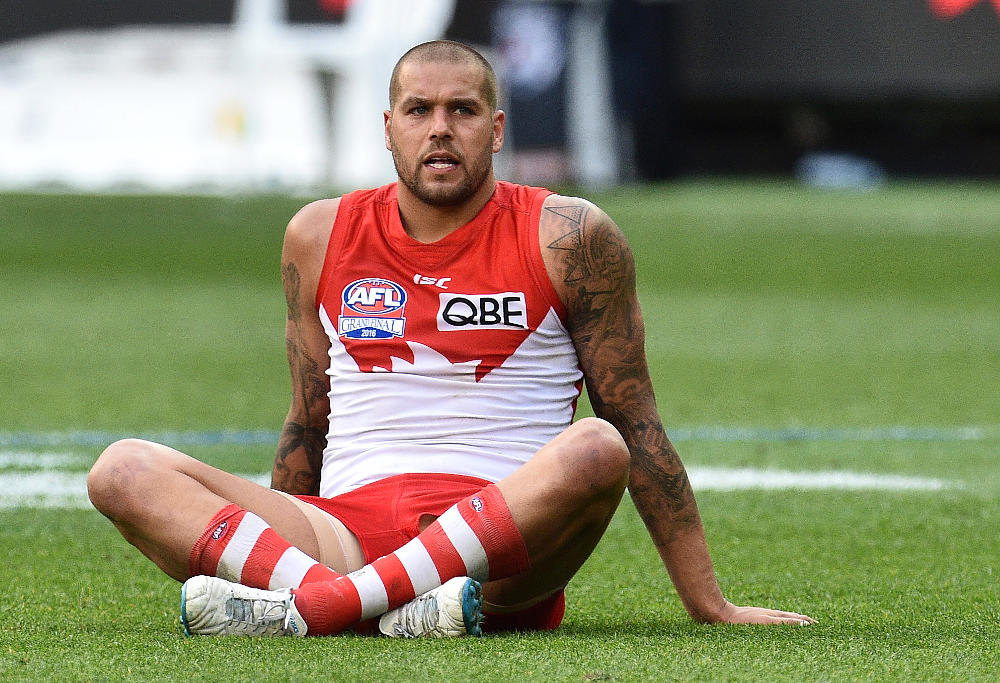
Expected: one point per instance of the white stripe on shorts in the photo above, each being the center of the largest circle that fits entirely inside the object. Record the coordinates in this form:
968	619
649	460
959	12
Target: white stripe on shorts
238	549
419	567
290	569
466	543
371	590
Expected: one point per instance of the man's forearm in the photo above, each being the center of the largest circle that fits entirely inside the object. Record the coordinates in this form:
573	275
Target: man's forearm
663	497
661	492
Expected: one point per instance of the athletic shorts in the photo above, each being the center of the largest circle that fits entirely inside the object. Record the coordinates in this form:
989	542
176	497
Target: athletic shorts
386	514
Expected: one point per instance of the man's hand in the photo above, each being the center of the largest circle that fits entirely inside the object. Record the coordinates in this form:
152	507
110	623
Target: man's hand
733	614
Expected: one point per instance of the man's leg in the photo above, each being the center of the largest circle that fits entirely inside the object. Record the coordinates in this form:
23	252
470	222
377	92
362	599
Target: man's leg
562	501
528	535
193	520
190	518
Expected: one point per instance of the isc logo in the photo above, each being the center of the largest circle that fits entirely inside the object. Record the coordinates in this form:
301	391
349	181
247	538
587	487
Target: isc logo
501	311
372	309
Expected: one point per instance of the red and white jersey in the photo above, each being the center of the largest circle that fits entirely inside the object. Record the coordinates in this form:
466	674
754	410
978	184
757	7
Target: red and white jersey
444	357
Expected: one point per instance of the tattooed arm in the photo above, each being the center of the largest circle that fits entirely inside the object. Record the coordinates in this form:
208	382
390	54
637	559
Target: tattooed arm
299	456
592	269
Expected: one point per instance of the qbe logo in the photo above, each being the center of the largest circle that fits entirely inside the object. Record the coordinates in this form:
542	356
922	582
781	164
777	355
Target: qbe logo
501	311
372	309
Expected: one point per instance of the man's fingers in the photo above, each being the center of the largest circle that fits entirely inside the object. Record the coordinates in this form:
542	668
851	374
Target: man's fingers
760	615
792	618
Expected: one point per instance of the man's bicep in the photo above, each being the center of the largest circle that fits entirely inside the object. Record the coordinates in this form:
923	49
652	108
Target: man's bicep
306	342
307	350
592	267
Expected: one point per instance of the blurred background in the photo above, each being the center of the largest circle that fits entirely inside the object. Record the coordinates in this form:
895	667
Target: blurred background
286	95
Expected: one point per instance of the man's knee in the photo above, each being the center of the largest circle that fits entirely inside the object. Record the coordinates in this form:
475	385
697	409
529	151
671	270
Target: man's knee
600	459
112	480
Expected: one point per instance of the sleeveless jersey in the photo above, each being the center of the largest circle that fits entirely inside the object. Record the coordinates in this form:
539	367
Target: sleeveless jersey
448	357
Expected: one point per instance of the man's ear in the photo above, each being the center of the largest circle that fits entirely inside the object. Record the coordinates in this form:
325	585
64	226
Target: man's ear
499	120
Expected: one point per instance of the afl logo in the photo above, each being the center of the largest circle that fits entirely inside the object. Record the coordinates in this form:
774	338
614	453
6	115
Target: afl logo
372	309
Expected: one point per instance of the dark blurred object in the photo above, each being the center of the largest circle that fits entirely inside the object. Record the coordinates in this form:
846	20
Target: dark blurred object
472	22
26	18
765	85
317	11
852	49
643	41
531	44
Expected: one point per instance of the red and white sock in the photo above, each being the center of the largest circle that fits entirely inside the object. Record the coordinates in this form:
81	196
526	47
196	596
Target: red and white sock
476	537
239	546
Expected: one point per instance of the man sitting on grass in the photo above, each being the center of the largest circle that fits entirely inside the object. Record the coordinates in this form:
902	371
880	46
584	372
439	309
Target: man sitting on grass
429	473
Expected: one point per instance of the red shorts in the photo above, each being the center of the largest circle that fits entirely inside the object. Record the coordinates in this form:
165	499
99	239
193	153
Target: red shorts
386	514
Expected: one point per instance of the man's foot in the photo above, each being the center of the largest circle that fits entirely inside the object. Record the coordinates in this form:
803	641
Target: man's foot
216	607
453	609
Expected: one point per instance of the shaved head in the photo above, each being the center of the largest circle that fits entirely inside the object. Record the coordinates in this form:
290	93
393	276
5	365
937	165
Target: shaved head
448	52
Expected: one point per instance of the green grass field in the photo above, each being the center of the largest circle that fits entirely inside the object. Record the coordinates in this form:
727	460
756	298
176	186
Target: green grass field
790	332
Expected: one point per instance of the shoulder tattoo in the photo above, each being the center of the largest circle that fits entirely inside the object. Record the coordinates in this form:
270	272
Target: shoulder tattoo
596	265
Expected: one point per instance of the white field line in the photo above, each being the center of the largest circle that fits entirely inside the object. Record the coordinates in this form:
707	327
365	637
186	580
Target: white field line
42	460
253	437
732	479
55	489
47	488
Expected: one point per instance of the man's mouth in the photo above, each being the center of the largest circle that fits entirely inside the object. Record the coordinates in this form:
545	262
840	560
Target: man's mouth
440	162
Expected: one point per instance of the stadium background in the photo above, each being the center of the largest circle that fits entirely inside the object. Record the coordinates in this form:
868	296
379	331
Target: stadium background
599	92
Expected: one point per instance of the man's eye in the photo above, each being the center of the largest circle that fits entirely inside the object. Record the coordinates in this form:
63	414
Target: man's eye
419	110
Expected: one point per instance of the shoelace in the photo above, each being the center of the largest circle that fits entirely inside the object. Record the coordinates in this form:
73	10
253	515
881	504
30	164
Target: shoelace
271	618
418	617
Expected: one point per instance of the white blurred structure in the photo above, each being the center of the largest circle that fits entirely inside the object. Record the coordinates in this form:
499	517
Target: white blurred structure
260	105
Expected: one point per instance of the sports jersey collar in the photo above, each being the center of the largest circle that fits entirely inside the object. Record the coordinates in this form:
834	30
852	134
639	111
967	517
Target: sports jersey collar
401	239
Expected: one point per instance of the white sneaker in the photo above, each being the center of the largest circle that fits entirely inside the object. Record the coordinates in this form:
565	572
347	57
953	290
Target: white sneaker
214	606
453	609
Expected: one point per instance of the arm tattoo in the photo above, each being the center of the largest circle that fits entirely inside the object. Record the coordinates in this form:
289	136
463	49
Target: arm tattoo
598	271
309	384
292	281
305	369
597	265
310	378
298	480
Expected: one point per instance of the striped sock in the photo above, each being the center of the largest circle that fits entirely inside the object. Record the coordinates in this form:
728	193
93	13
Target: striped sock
239	546
475	537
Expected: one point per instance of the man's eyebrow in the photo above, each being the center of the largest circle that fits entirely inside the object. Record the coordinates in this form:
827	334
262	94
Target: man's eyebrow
470	102
413	101
418	101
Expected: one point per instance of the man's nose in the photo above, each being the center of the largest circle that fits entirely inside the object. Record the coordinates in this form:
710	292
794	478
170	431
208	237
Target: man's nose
440	123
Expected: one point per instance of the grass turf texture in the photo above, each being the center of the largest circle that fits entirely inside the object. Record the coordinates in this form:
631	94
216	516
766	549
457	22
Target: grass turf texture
766	304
